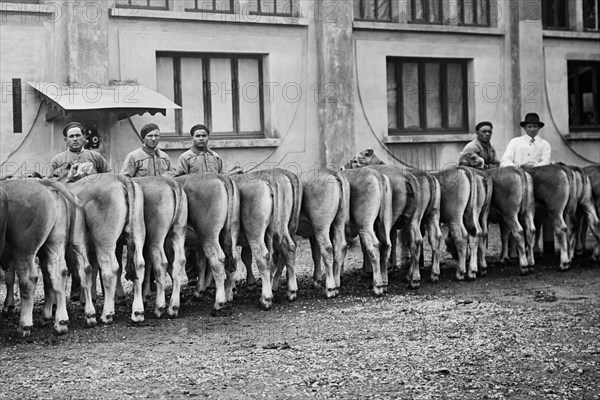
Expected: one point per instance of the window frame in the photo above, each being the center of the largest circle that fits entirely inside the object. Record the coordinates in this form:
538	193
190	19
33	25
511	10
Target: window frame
555	26
214	9
461	13
146	7
361	9
423	130
585	28
274	13
576	126
207	100
413	9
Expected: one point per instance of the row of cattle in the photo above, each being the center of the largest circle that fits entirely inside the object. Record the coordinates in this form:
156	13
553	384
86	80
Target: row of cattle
80	226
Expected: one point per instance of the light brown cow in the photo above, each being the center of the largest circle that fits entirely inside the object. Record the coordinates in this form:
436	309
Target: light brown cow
513	207
3	218
593	173
165	217
113	206
371	220
586	214
554	193
213	213
259	224
38	224
324	219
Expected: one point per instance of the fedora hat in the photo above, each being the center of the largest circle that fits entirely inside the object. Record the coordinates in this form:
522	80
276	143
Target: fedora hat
532	118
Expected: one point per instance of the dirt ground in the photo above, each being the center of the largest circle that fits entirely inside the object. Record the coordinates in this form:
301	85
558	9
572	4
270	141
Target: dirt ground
500	337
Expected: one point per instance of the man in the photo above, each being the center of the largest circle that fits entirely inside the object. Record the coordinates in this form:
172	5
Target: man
76	154
529	149
479	152
199	158
148	160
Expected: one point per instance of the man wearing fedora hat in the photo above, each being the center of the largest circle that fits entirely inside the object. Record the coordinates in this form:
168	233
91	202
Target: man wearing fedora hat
528	149
479	152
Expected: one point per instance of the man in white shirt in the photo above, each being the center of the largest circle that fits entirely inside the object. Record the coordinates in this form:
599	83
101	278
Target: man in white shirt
530	149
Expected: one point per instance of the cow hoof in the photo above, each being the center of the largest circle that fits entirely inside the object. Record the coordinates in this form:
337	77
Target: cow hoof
25	331
565	266
292	295
471	275
330	293
158	312
483	272
90	322
137	317
109	319
265	304
524	271
61	329
435	278
414	284
221	312
460	276
378	290
317	284
8	311
198	295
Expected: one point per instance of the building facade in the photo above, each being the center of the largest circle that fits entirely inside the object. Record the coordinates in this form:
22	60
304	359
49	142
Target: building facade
297	83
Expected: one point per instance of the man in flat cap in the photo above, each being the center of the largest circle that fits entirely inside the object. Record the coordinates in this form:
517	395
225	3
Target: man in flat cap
148	160
529	149
479	153
199	158
76	153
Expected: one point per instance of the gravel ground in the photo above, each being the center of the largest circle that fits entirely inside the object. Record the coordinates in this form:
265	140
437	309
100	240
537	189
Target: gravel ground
502	336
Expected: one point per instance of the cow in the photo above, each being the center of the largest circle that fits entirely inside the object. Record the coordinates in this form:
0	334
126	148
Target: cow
586	209
112	208
165	218
513	207
324	219
593	173
458	209
555	200
3	218
39	224
213	214
371	220
259	223
284	244
426	214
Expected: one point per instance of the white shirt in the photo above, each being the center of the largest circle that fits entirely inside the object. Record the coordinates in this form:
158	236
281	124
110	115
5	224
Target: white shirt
526	150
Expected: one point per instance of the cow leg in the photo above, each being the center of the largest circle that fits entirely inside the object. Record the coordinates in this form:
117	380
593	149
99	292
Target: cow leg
155	254
108	269
175	268
119	291
504	238
316	256
413	242
371	246
561	232
46	318
247	261
83	271
517	234
261	255
340	247
203	276
9	300
290	263
278	265
325	254
216	260
28	277
435	238
458	233
56	269
384	257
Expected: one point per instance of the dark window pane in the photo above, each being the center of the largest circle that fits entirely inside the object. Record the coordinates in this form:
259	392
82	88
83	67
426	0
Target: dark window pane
433	95
455	95
392	96
590	15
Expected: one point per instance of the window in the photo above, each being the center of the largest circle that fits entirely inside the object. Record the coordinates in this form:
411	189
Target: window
426	95
555	14
224	92
218	6
285	8
425	11
590	15
21	1
474	12
373	10
584	95
146	4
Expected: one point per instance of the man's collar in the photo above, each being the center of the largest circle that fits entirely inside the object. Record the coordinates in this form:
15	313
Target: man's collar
197	151
150	151
77	152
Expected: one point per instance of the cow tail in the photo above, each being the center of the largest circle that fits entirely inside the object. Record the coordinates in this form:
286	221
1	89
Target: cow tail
3	219
62	189
177	196
413	192
130	225
344	206
297	195
385	210
232	222
572	203
471	219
